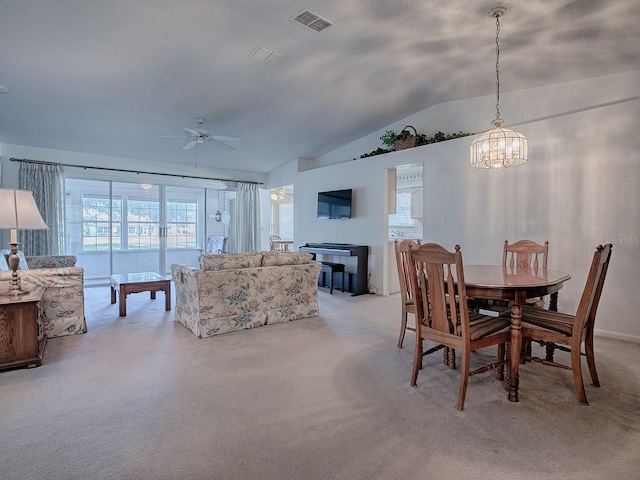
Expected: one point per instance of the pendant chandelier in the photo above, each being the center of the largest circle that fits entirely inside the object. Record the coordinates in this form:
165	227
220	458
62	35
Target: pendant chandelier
278	194
499	147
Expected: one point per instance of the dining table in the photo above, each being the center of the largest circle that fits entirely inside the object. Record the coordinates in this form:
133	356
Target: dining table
515	284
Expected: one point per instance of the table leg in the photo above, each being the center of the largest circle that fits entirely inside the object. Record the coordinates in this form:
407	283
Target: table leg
553	305
153	294
113	294
514	350
553	301
167	297
123	301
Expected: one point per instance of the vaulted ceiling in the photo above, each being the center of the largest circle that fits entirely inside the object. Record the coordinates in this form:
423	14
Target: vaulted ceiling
121	77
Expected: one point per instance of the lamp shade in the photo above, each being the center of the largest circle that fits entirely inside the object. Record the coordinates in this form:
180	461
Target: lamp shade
18	210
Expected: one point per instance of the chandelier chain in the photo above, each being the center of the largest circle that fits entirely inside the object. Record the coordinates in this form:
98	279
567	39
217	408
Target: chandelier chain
497	66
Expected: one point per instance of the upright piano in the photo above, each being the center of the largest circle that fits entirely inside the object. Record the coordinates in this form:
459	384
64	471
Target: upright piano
346	250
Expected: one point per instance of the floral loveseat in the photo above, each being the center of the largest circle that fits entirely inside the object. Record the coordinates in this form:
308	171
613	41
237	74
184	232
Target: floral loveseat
63	300
235	292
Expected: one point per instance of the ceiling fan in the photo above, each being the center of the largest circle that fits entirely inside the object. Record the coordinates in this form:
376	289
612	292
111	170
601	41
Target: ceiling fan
201	135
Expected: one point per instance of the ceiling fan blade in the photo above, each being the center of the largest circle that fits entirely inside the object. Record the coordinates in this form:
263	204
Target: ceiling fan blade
225	138
190	145
224	146
192	132
172	136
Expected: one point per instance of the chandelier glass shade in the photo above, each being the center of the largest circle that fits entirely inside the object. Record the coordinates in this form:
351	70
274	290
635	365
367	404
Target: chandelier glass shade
499	147
278	194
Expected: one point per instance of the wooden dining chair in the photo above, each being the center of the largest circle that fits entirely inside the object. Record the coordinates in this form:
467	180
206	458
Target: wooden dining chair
447	322
520	254
406	293
568	332
531	255
525	254
274	245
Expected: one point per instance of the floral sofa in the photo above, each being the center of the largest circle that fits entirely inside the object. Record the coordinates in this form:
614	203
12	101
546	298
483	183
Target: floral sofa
235	292
63	300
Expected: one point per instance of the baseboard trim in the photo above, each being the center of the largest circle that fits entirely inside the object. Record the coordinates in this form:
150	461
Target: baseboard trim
617	336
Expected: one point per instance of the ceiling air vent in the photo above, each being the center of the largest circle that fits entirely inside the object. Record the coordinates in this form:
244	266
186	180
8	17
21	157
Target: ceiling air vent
312	21
267	55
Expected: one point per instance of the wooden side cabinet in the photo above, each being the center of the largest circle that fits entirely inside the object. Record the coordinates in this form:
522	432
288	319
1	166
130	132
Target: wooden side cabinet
22	338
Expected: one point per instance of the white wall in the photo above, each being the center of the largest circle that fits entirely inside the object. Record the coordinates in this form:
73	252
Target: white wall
580	188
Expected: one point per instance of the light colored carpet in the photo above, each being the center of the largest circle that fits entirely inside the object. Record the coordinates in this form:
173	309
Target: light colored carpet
141	397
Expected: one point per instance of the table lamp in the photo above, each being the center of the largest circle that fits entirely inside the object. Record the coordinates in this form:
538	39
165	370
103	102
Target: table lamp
18	211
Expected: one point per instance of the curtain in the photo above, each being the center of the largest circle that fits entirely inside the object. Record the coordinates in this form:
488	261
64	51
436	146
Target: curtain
247	218
46	181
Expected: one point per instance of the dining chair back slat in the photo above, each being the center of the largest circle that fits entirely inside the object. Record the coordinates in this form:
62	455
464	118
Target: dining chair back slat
436	289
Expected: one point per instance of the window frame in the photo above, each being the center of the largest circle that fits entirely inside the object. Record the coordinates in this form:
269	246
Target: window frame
109	223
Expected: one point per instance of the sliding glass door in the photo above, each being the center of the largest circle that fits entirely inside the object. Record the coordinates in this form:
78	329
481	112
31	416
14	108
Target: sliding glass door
184	226
118	227
93	226
139	220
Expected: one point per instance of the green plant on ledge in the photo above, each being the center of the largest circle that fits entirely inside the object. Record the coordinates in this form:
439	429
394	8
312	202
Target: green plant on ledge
390	137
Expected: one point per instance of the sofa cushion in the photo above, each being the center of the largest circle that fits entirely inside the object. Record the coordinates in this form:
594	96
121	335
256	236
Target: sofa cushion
231	261
51	261
270	259
23	261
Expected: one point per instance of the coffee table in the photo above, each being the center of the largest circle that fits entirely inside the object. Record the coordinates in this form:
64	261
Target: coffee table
127	283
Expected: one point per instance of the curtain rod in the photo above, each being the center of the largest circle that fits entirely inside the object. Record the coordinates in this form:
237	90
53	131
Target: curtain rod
130	171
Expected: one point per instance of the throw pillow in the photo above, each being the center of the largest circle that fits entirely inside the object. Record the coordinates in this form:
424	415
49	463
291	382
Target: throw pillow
281	258
4	266
23	261
230	261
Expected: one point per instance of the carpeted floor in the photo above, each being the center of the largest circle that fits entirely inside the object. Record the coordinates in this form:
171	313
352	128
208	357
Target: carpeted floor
140	397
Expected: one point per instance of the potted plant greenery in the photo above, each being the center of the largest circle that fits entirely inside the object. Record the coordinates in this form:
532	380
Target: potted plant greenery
405	139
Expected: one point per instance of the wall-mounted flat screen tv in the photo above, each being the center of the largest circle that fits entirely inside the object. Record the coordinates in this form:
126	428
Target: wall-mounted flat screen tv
335	204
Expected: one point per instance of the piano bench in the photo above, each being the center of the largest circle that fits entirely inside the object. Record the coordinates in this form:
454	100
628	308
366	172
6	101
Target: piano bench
332	268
